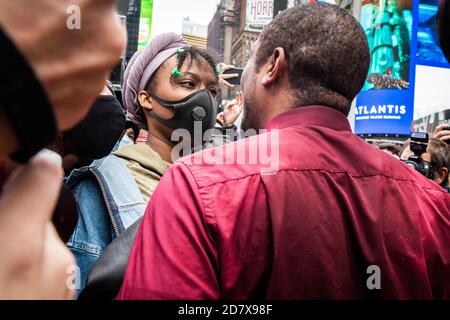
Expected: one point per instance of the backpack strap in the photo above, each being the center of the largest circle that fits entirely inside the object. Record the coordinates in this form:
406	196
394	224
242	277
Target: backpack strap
107	275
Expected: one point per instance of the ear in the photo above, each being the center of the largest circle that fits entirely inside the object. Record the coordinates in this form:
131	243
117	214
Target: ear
145	100
274	67
441	175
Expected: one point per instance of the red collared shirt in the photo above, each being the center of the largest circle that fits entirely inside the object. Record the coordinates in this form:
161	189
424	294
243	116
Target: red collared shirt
332	218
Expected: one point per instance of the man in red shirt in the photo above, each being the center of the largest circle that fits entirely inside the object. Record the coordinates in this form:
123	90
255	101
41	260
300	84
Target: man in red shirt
328	217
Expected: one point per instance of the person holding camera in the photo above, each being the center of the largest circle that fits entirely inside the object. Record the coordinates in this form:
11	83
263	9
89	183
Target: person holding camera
430	157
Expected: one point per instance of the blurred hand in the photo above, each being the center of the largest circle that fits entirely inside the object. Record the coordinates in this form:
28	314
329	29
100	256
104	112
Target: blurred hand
8	139
6	167
72	65
224	77
232	111
34	261
442	132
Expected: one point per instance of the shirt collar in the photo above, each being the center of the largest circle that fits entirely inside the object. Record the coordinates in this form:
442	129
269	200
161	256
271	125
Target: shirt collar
320	116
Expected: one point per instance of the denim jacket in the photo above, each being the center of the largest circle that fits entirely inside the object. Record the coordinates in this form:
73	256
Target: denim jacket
104	209
109	201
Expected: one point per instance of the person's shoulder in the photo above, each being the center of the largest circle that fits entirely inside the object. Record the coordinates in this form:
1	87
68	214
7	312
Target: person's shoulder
264	154
232	161
110	172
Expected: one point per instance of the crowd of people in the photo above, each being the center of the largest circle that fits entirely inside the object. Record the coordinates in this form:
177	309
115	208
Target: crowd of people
155	193
435	155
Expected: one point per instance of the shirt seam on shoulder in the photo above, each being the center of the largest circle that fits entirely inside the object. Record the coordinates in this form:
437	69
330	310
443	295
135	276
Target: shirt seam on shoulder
203	209
325	170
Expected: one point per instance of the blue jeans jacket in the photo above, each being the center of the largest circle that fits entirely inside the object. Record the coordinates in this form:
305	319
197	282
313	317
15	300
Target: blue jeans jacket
109	201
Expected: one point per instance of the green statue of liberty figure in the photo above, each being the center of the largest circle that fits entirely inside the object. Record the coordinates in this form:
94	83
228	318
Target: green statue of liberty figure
389	42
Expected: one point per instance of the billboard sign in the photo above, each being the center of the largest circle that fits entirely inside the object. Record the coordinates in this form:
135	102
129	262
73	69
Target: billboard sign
386	103
432	69
429	123
145	23
259	13
408	69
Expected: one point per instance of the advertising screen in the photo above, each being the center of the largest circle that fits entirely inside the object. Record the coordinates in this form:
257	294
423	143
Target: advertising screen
145	23
385	105
409	77
432	70
428	50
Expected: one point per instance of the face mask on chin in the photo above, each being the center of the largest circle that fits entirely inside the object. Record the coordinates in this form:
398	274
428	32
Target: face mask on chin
97	134
197	110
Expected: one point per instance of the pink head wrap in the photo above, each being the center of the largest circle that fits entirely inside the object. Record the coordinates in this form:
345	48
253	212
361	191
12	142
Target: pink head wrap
141	68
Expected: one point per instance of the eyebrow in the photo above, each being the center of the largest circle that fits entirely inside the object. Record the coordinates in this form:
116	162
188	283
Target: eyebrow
197	78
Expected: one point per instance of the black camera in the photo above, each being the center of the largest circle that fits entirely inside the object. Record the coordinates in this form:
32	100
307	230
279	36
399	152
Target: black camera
419	145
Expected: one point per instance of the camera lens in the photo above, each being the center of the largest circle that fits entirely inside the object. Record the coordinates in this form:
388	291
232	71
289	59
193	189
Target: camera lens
412	165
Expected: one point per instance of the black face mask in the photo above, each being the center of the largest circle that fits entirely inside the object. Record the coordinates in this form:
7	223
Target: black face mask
98	133
201	106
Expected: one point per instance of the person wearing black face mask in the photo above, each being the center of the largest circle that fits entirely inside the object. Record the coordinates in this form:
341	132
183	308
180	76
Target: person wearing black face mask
96	136
167	86
181	96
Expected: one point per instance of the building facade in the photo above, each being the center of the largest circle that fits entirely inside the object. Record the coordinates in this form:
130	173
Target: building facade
195	34
222	28
133	20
